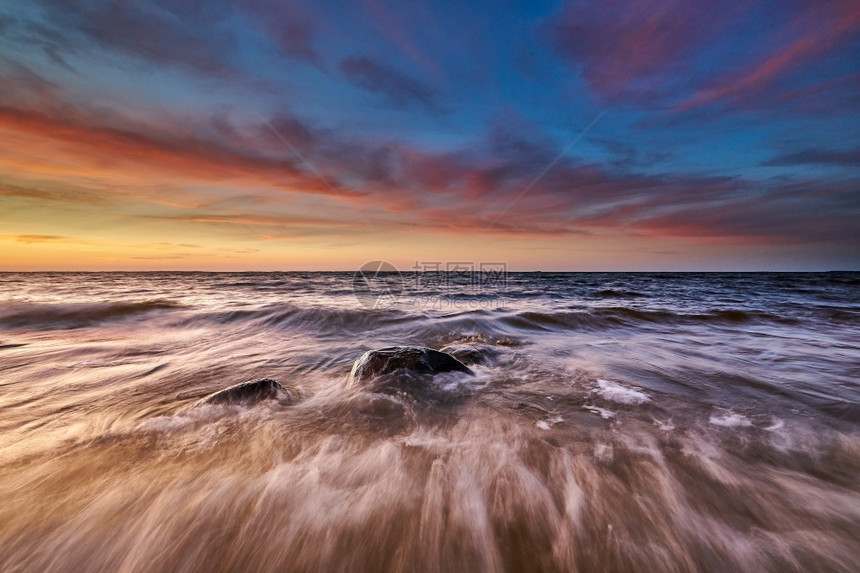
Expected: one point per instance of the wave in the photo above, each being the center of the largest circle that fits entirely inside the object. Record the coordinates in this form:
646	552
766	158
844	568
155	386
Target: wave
76	315
624	316
322	321
336	321
613	293
327	321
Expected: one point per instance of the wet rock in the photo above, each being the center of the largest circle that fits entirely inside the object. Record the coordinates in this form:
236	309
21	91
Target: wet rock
420	372
411	359
251	392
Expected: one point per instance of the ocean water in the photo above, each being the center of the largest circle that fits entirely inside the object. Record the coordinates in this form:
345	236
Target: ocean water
616	422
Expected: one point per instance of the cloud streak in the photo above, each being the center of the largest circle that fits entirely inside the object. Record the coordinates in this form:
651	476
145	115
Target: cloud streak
847	158
397	88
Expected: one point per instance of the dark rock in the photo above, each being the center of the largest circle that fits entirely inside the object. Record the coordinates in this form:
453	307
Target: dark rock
411	359
251	392
412	371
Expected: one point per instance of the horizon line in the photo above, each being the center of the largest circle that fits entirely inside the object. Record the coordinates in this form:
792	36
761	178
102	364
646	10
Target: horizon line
190	271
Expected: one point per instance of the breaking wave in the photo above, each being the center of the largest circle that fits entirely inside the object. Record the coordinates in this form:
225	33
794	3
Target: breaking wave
46	316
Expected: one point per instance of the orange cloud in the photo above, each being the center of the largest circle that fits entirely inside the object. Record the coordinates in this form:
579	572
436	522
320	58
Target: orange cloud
63	147
28	239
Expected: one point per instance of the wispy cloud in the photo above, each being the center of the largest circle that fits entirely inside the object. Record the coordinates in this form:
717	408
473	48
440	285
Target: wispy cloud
28	239
397	88
846	158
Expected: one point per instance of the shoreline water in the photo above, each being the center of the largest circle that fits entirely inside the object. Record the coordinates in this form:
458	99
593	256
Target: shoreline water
616	422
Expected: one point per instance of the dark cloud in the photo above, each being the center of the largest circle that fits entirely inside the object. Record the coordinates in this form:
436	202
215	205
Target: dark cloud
337	158
626	155
398	89
54	192
634	50
201	35
774	216
291	28
847	158
286	129
194	34
28	239
23	86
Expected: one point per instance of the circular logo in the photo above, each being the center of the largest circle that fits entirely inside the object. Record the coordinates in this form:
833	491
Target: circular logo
377	284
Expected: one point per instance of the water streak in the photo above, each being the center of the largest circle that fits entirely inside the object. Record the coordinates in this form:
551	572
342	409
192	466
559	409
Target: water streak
616	422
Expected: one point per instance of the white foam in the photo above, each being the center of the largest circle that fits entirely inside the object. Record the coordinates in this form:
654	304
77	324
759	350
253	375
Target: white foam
547	424
604	453
666	426
460	381
777	425
164	423
615	392
731	420
602	412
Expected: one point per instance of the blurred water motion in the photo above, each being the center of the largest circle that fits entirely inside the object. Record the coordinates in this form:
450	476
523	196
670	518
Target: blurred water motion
617	422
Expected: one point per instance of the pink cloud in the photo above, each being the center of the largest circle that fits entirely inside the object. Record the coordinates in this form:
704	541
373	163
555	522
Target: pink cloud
825	24
694	53
635	49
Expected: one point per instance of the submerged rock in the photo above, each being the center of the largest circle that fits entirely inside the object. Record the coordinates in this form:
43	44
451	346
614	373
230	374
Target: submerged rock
414	359
251	392
407	369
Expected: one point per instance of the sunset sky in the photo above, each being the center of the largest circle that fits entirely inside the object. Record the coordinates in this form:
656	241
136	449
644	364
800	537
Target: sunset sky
269	135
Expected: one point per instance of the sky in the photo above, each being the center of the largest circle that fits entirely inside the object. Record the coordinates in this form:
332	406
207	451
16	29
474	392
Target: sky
318	135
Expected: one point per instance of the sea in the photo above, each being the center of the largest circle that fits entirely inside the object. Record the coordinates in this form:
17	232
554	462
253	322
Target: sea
614	422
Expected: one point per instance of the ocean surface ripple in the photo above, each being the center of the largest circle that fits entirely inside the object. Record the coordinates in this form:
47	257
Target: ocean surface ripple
615	422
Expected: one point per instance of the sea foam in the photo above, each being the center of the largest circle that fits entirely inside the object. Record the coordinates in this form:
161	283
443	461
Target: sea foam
615	392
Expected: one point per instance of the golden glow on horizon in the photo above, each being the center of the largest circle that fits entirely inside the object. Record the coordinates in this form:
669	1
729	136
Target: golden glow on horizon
34	253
